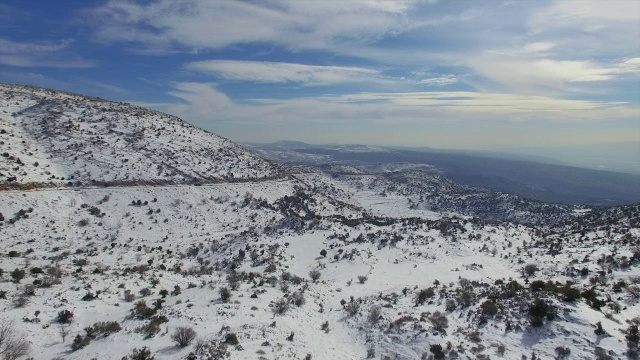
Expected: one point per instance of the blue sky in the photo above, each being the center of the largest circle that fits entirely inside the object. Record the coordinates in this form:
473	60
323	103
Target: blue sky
447	74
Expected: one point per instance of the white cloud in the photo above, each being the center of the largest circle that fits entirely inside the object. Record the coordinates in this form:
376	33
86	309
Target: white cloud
443	119
589	29
494	103
12	47
440	80
538	47
629	66
39	54
586	15
199	101
526	75
211	24
278	72
205	105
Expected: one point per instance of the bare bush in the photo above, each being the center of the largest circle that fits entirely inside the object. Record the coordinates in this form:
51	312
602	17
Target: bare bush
374	314
314	275
634	291
214	349
183	336
20	301
225	294
297	298
281	306
352	308
141	354
439	321
12	344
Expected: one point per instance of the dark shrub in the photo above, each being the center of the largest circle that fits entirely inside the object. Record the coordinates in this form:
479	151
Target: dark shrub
142	311
530	270
17	275
489	308
150	329
65	317
140	354
537	285
89	296
225	294
424	294
540	310
314	275
231	339
129	296
103	329
79	342
436	350
439	321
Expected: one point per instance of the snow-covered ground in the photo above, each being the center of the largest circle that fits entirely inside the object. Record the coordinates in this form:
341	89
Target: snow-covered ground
49	136
317	266
164	231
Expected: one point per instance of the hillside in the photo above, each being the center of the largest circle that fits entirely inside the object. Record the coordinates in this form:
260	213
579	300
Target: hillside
52	137
330	262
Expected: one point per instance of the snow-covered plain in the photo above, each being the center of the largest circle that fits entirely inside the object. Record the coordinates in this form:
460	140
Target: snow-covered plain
357	252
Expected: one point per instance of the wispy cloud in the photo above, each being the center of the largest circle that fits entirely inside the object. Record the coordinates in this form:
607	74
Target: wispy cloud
459	119
516	71
278	72
539	47
586	15
165	24
200	100
440	80
40	54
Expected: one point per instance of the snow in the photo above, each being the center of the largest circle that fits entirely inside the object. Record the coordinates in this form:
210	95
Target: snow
136	235
76	138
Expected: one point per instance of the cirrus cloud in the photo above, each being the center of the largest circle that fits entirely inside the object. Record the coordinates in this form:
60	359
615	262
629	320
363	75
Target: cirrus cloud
40	54
279	72
164	25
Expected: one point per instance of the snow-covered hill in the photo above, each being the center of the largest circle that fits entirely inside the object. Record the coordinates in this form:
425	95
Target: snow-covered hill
67	139
380	281
331	263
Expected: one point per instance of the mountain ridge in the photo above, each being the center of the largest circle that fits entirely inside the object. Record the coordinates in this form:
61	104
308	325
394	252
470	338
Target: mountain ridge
66	139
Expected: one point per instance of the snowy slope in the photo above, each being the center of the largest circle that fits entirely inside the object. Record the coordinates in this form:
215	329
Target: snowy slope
193	237
52	136
351	265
